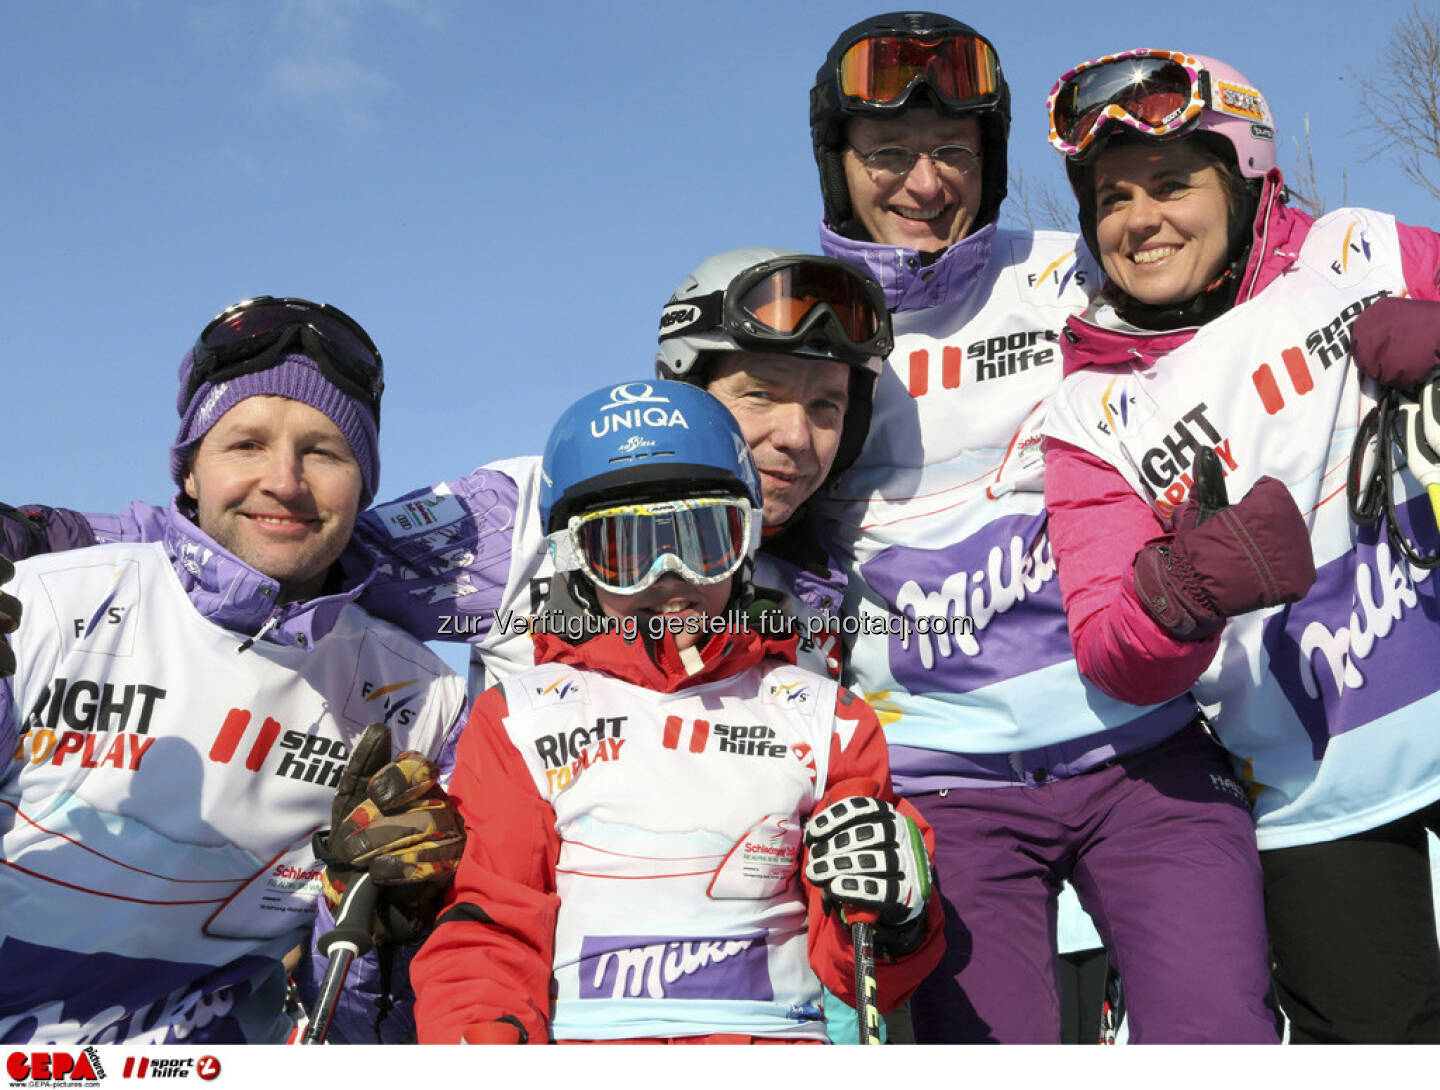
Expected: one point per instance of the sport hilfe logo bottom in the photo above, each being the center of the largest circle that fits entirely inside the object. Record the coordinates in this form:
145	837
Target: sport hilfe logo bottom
140	1067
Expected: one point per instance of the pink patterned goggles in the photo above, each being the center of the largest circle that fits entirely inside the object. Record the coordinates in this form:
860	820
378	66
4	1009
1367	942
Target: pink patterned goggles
1152	91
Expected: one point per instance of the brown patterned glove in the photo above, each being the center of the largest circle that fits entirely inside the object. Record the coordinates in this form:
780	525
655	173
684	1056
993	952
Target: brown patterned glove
393	819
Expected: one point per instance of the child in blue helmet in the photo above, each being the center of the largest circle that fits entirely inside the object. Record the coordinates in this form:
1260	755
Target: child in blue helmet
638	802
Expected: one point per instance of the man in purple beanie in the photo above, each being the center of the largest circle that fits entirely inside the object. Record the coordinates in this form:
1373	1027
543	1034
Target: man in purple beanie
183	711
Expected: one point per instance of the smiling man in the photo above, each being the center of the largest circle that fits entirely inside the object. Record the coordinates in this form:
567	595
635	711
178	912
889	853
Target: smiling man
182	711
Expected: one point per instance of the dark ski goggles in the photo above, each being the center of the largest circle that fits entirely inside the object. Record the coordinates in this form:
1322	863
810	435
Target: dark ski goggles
786	302
246	337
626	549
1151	91
960	69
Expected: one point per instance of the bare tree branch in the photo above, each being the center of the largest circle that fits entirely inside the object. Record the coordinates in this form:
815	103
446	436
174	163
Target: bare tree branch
1038	205
1305	187
1401	97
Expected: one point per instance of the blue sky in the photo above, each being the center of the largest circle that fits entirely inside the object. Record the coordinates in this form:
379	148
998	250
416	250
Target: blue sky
503	194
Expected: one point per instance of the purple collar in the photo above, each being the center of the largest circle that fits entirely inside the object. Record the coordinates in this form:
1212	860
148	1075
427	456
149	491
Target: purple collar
822	592
908	282
232	594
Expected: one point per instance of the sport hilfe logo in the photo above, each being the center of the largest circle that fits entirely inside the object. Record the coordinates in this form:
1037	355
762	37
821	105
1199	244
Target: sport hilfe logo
140	1067
310	758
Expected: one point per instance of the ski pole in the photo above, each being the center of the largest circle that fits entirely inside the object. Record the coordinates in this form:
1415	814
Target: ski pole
862	935
347	940
1422	441
862	938
1112	1007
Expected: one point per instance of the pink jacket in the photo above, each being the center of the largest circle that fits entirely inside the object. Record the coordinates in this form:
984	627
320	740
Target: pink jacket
1098	522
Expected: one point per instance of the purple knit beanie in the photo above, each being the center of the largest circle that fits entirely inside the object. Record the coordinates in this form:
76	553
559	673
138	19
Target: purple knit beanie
294	376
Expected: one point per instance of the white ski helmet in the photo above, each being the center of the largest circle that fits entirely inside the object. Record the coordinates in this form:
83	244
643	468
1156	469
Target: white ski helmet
757	299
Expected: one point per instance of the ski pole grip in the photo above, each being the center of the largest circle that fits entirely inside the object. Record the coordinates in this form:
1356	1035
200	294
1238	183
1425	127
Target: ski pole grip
352	919
856	787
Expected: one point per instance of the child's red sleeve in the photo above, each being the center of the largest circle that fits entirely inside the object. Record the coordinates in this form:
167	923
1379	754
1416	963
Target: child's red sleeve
858	750
487	966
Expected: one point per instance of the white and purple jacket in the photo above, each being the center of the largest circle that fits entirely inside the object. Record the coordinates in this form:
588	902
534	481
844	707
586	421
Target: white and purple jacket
1329	704
171	739
942	524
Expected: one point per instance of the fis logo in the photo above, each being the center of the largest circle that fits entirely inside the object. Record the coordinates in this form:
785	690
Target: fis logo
561	687
54	1067
114	592
1058	275
395	711
1354	242
797	692
107	612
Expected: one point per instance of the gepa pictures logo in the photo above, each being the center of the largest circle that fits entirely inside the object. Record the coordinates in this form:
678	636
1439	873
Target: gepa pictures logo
33	1068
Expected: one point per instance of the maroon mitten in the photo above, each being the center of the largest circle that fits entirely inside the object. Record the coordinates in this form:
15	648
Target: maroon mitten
1397	341
1226	561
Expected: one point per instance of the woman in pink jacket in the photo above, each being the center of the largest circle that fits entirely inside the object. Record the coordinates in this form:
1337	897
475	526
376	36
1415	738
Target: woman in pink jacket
1217	363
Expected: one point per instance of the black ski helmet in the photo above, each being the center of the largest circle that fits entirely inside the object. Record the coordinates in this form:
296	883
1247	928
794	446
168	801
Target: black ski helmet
829	113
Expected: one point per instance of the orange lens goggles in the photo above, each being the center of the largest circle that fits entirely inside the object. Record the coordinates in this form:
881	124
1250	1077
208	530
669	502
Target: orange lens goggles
959	69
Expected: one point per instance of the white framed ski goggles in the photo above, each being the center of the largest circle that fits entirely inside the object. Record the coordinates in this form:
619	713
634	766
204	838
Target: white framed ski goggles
625	549
1155	92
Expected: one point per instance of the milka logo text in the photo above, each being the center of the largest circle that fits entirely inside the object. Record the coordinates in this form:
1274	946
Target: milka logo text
1009	577
655	968
1384	595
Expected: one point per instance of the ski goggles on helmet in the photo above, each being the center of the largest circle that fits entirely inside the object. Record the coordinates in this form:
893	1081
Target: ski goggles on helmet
786	302
241	338
961	70
625	549
1152	91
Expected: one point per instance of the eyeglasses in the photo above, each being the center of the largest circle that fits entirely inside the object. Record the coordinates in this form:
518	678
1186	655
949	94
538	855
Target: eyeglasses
960	69
1152	91
241	338
786	302
898	161
625	549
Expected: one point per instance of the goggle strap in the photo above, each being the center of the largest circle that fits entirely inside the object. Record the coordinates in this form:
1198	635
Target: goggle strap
563	553
312	346
708	313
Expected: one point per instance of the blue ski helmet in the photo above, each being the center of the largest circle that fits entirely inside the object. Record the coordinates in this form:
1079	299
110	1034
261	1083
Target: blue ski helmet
643	440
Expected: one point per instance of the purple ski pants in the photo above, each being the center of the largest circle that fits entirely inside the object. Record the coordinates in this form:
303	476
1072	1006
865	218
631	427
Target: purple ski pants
1160	847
